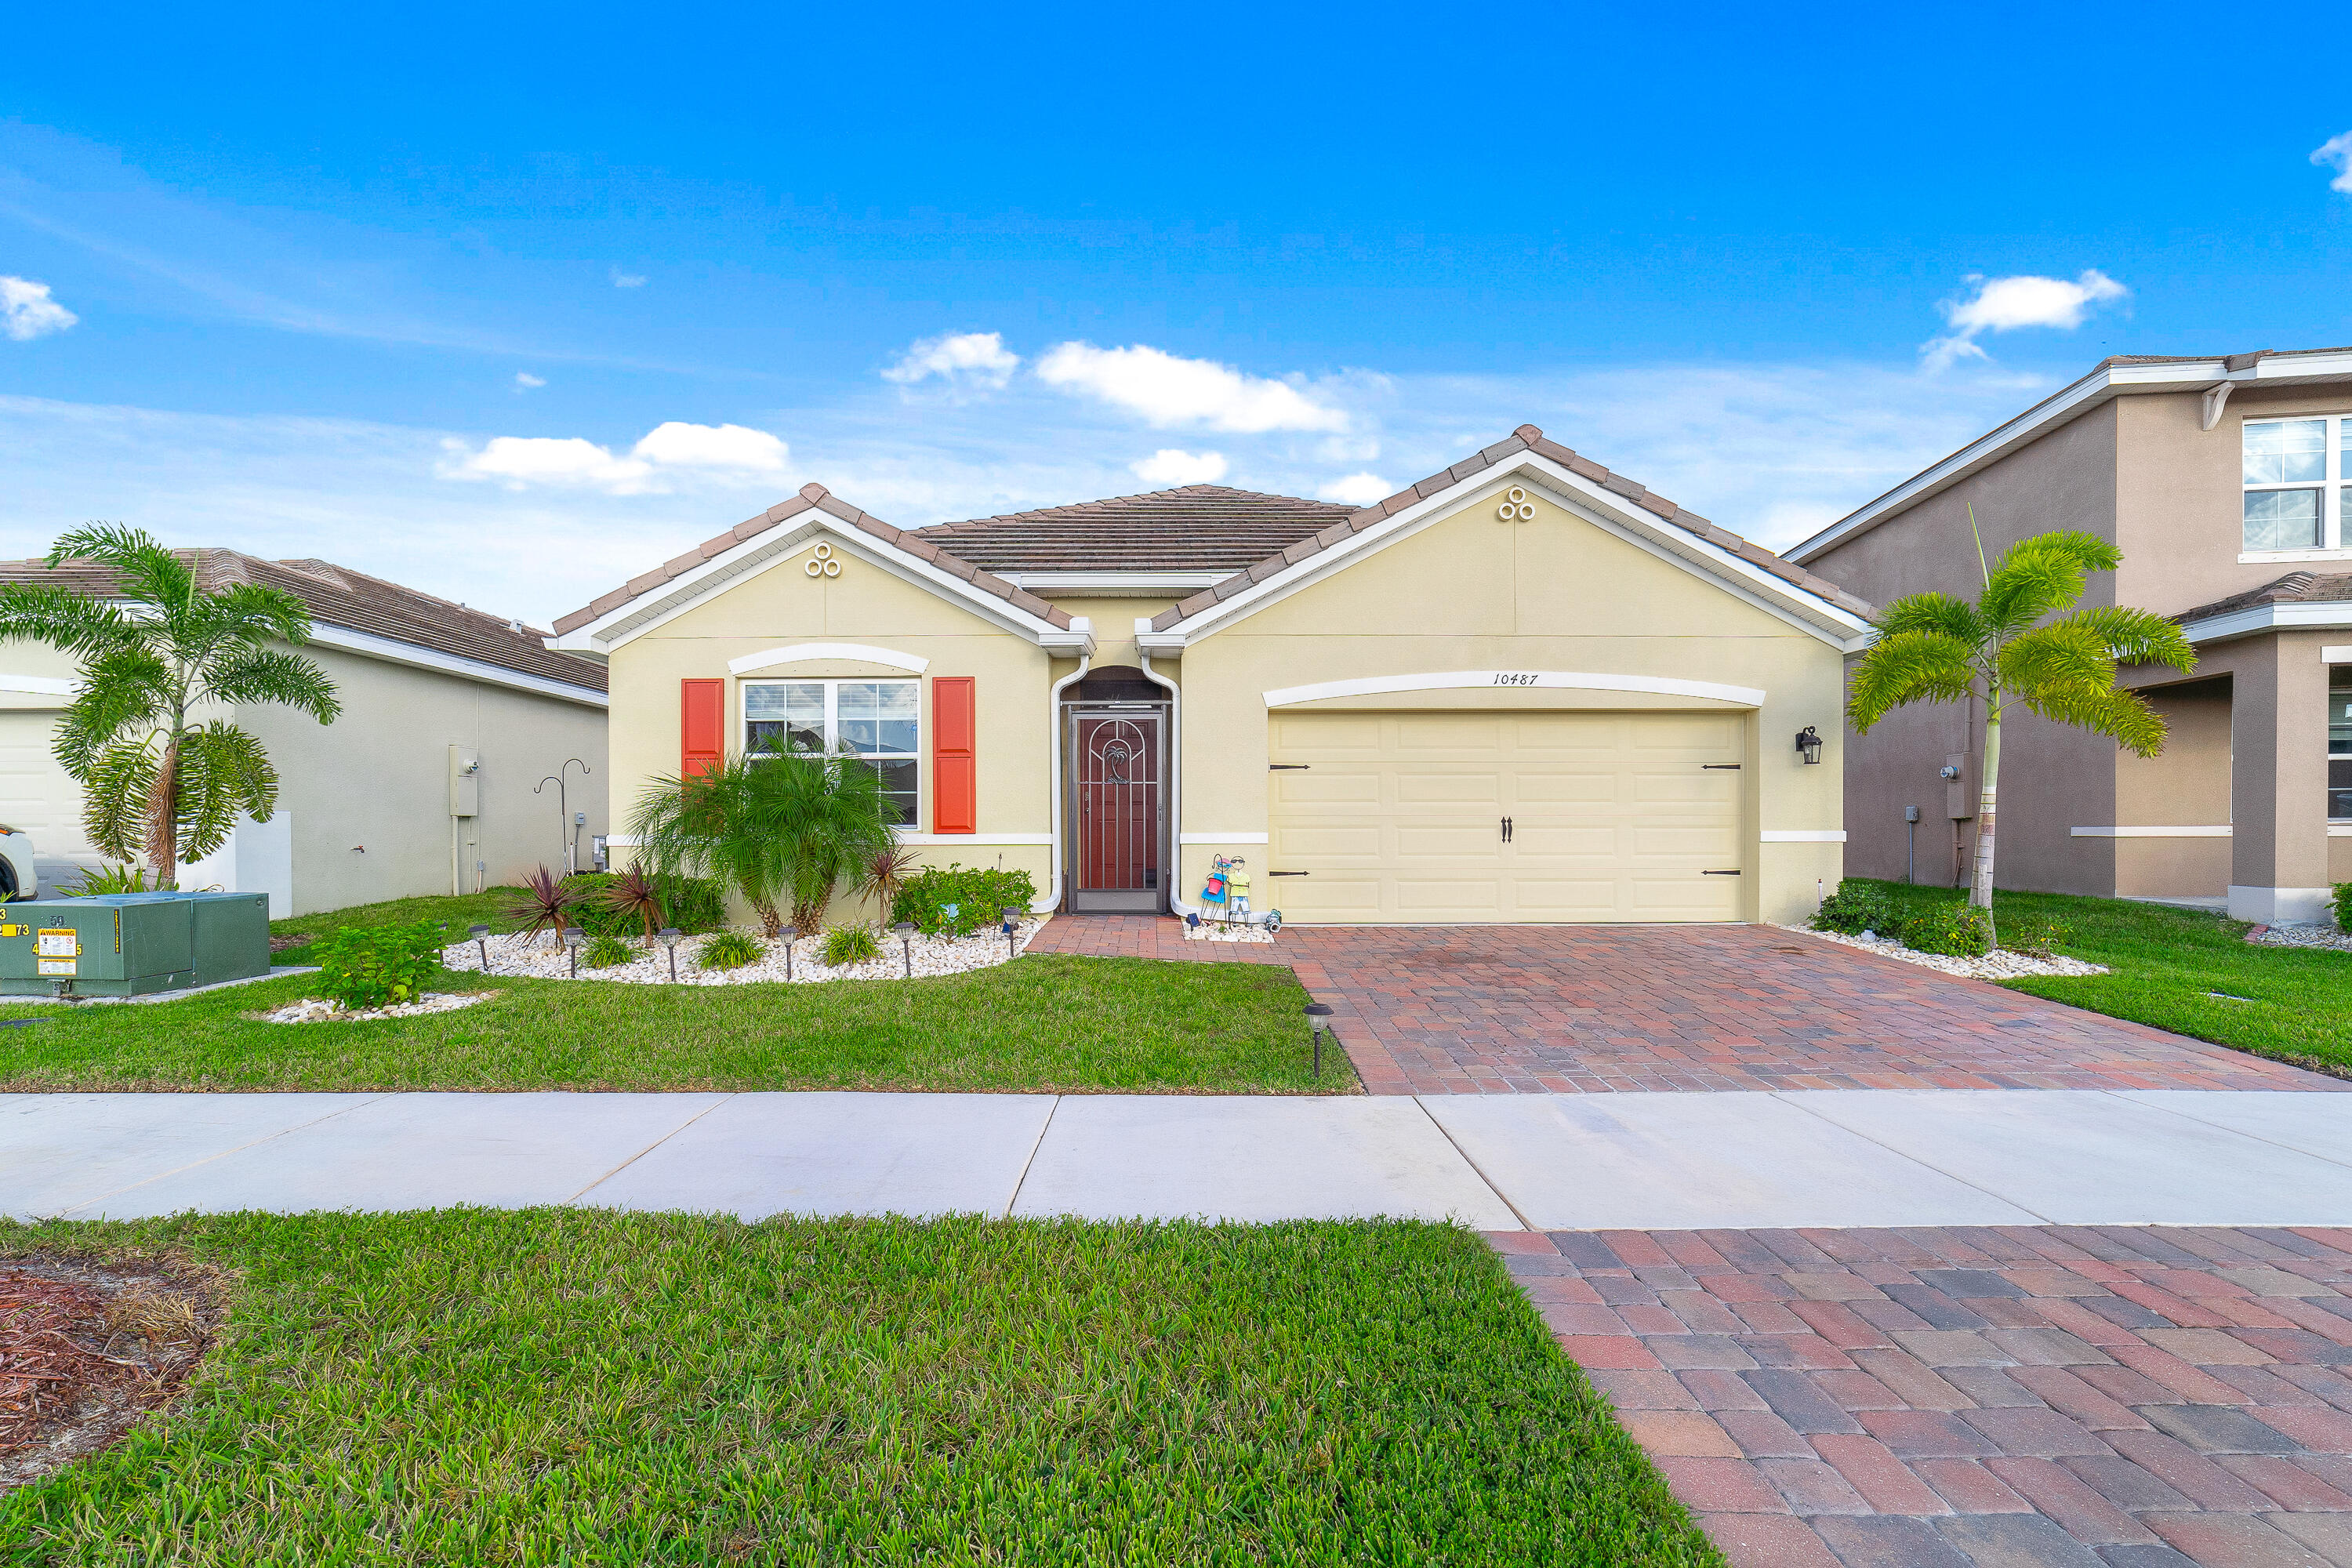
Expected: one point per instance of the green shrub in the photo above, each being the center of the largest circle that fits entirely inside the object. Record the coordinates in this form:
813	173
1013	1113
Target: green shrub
850	944
117	880
977	894
1950	930
379	966
728	950
2343	902
2039	935
1854	908
692	904
605	950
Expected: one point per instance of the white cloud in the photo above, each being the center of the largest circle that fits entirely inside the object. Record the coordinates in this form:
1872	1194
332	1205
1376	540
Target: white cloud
960	359
681	446
2005	304
1356	489
627	280
26	311
2336	150
1166	390
525	380
1174	466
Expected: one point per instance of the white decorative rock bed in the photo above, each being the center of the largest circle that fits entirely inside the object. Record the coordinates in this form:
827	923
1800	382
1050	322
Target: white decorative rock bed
2334	937
541	959
319	1010
1998	964
1223	930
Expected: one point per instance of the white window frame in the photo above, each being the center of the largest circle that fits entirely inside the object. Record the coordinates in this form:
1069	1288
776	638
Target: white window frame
832	684
2331	522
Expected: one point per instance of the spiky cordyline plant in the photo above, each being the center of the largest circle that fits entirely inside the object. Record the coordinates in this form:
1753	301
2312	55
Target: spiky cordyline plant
1933	647
634	895
544	904
157	784
783	830
884	872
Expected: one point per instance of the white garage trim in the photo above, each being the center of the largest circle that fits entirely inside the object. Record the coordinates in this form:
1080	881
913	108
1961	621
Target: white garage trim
2221	832
994	840
802	653
1803	836
1539	680
39	685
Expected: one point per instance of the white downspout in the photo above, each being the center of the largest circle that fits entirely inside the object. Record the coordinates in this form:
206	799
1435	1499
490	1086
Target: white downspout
1175	780
1051	899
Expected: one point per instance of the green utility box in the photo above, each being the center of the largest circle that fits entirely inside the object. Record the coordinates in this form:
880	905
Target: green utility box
131	944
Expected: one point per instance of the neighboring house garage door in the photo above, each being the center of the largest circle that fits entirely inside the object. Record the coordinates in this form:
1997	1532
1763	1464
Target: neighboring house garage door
35	795
1402	816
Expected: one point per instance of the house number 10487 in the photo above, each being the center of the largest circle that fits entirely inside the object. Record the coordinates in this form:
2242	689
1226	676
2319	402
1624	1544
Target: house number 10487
1514	677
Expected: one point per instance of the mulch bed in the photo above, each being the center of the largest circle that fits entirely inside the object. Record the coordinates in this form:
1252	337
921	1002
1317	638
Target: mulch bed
85	1352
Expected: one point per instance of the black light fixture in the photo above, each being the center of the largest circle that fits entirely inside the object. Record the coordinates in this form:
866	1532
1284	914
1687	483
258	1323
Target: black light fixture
1318	1020
907	945
1808	742
790	938
572	937
480	937
667	936
1012	928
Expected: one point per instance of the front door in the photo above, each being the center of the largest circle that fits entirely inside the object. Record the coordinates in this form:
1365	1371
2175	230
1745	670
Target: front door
1116	763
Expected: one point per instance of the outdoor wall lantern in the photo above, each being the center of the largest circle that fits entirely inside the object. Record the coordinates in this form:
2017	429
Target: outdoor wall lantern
667	936
1808	742
1012	928
571	940
1318	1020
480	937
907	945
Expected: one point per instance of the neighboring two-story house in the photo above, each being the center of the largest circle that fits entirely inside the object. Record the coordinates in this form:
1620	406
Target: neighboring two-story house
2227	484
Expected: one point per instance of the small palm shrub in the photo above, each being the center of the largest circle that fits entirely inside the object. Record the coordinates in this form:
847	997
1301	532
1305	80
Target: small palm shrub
978	893
850	944
117	880
379	966
729	950
1854	908
1949	930
605	950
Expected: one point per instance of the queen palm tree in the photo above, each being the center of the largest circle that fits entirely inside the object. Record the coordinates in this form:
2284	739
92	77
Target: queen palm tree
157	781
1934	647
782	828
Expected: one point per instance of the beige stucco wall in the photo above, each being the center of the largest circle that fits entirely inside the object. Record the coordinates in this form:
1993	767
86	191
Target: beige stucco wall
1559	593
867	605
2185	785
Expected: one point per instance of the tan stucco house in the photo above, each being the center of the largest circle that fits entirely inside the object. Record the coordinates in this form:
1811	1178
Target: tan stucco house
2227	483
1524	689
430	781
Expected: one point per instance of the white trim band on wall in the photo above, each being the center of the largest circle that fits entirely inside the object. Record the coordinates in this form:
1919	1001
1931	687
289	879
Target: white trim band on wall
807	652
1507	680
2221	832
1221	839
2335	653
992	840
1803	836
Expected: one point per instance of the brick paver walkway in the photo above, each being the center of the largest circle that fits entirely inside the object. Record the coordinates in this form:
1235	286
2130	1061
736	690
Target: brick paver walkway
2128	1397
1579	1009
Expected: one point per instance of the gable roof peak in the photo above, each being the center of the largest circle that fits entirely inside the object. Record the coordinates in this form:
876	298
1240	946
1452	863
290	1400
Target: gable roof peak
814	492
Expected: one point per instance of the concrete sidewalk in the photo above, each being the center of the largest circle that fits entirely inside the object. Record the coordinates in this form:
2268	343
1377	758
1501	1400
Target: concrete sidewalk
1637	1162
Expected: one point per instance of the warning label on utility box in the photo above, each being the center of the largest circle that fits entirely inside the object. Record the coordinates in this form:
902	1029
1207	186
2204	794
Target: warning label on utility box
58	944
64	966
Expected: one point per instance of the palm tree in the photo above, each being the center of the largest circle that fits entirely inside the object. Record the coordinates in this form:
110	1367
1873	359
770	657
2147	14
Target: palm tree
1933	647
782	828
156	782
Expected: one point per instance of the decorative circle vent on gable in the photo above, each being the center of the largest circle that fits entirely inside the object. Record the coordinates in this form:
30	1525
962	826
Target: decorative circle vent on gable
821	563
1516	507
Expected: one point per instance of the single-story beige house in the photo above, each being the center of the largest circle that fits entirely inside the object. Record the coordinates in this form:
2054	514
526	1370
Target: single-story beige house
432	779
1524	689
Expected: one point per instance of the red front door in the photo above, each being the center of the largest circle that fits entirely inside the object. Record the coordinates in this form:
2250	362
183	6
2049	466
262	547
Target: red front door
1115	768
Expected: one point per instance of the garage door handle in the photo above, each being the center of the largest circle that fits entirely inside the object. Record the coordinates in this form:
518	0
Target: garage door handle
1290	873
1287	767
1720	767
1718	873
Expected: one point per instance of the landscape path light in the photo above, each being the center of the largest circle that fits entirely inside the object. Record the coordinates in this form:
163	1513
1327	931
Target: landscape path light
480	937
1012	928
1318	1020
572	937
907	945
790	938
667	936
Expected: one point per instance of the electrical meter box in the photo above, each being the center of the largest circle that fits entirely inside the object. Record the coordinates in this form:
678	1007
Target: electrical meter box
131	944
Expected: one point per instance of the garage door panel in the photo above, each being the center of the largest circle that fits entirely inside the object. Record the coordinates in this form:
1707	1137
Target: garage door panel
1614	816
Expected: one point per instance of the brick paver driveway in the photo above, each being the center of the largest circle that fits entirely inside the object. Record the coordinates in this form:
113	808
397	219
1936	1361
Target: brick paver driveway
1579	1009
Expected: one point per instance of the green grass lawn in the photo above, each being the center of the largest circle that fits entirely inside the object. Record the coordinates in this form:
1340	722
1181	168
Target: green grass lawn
487	908
565	1387
2165	963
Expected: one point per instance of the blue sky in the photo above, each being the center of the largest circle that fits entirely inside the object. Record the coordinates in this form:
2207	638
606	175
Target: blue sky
508	303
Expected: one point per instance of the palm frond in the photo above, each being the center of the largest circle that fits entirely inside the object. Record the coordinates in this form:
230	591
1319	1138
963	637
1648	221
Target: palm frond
1908	667
2136	636
1939	614
118	782
124	693
62	619
2123	716
2060	655
270	675
144	568
224	774
2037	575
248	612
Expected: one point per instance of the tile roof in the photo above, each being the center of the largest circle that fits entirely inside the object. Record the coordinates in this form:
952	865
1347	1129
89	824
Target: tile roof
339	596
1195	528
1526	439
2294	588
814	496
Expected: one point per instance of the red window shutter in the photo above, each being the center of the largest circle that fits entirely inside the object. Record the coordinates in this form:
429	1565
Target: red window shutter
955	779
702	726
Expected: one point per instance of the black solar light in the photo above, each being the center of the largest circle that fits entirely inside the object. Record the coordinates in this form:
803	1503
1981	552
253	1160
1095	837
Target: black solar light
1012	928
572	937
1193	920
1318	1022
480	937
789	939
907	944
667	936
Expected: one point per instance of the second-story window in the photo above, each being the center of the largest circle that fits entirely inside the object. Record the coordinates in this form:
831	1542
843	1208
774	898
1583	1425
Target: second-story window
2292	469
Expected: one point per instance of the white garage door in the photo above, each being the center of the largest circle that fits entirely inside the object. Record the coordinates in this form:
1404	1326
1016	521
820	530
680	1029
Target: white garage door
1442	817
36	797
